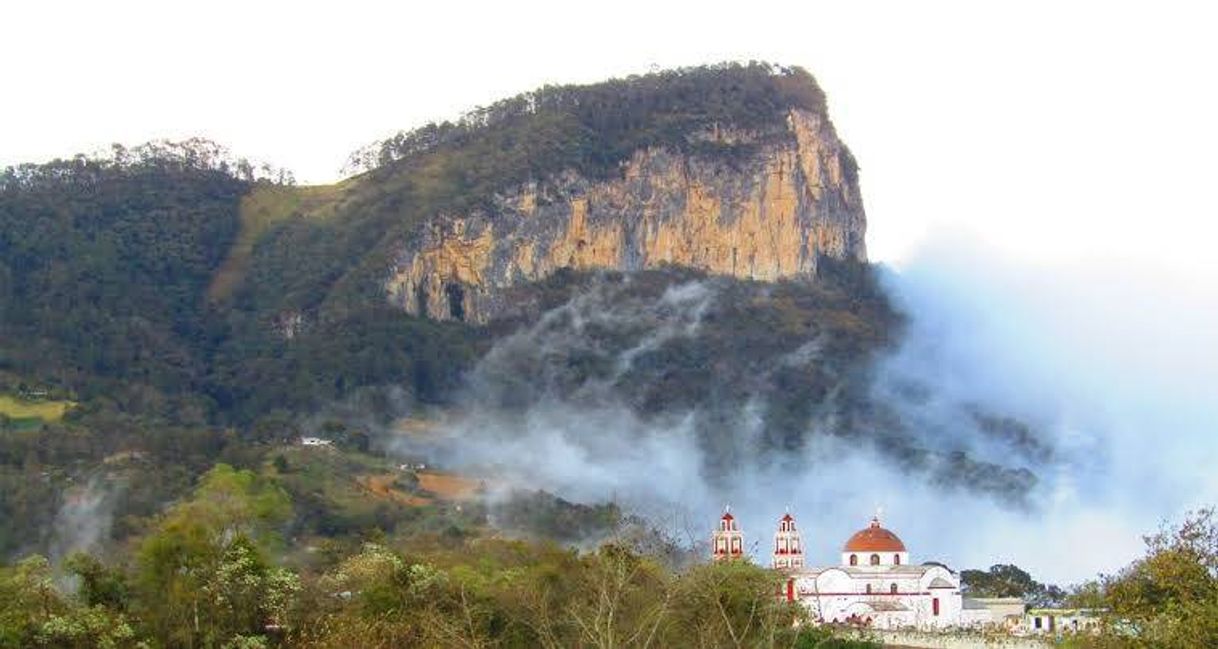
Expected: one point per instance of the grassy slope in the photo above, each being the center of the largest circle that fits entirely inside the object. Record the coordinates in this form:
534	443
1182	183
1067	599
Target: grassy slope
50	411
261	209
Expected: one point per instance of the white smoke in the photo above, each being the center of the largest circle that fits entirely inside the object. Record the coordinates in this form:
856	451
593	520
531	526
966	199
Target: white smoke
1113	368
1115	364
83	521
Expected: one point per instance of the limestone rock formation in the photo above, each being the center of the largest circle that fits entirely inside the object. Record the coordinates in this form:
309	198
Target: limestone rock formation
767	213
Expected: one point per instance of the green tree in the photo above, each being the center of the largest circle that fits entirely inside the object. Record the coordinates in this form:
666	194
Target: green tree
203	572
99	584
27	599
33	613
1007	580
1169	598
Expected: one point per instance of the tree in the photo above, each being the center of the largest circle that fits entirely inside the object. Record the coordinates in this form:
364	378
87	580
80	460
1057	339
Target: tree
731	604
34	613
99	585
1169	598
203	573
1007	580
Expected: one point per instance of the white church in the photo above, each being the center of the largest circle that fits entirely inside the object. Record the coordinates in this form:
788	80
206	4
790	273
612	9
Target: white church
874	585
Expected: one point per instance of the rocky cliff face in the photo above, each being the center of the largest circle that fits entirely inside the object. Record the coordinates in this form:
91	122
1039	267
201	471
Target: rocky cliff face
766	214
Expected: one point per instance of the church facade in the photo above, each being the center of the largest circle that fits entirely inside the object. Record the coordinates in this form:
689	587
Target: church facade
874	584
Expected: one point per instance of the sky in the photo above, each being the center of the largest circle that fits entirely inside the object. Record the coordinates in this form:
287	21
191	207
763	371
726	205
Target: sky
1071	144
1053	131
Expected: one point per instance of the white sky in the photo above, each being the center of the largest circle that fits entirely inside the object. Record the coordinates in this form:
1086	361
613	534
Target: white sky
1054	131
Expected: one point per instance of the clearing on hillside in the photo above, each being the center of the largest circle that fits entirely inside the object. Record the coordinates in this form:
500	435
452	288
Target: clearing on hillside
15	408
382	486
449	486
261	209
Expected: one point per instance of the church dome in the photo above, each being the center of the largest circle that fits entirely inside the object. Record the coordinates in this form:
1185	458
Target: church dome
874	539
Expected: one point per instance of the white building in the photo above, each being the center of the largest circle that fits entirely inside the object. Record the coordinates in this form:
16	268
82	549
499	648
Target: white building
1060	621
875	584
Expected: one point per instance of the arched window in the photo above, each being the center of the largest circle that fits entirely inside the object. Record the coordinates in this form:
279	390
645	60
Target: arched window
896	559
893	589
875	559
868	589
854	559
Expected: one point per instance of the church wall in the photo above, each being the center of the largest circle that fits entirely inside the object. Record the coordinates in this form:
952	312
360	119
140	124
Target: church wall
886	558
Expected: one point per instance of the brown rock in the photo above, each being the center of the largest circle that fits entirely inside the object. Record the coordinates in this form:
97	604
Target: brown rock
765	215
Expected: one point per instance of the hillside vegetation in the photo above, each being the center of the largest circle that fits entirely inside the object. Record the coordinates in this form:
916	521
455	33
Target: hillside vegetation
173	272
187	316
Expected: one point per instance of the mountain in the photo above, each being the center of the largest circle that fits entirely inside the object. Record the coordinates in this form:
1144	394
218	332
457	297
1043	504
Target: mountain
786	195
732	169
685	246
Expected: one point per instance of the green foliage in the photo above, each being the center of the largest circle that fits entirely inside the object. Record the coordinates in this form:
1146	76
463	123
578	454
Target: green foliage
99	584
86	627
203	573
1169	598
823	638
592	128
510	594
106	259
543	515
1006	580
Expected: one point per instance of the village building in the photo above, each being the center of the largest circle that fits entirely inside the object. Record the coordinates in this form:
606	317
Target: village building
1061	621
874	584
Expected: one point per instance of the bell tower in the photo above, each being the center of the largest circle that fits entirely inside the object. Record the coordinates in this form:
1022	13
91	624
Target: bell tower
788	545
727	542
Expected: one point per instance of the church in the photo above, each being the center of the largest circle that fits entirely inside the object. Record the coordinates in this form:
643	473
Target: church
874	584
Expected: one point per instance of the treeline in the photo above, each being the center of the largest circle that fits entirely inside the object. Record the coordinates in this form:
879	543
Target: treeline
210	574
104	260
596	126
194	154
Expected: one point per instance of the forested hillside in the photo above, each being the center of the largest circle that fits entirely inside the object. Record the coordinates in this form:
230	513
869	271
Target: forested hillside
174	319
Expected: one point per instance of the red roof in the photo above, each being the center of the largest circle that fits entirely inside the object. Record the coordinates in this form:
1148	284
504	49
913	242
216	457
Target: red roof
728	517
788	517
874	539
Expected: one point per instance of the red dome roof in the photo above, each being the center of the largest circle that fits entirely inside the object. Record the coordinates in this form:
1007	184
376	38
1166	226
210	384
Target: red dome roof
874	539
